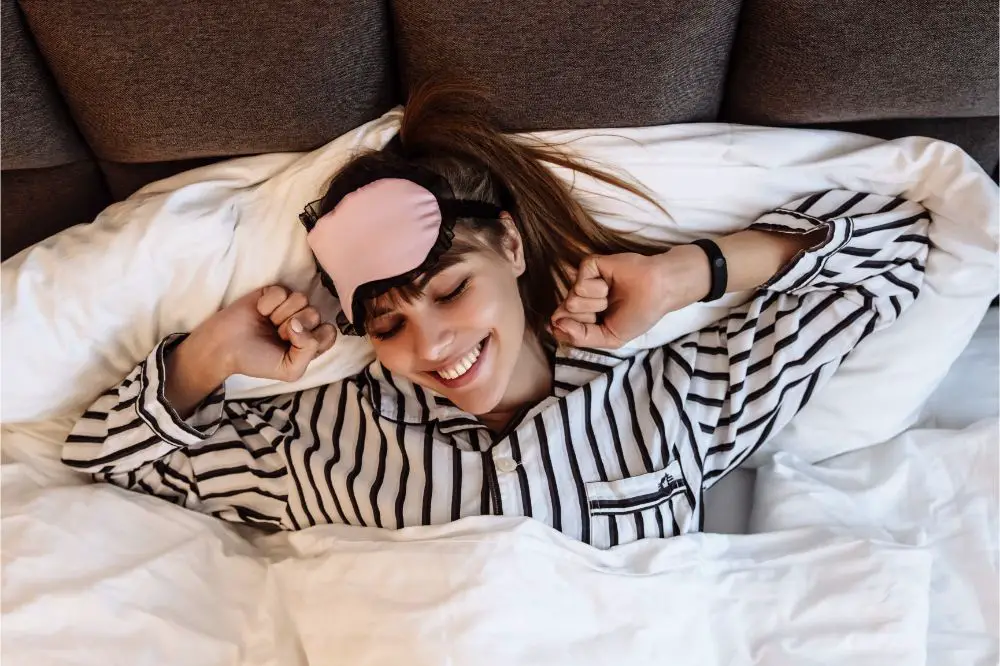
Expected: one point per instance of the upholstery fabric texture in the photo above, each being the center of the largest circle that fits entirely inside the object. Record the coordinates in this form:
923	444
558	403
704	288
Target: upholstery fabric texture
38	203
184	79
37	130
801	61
980	137
589	63
123	178
104	96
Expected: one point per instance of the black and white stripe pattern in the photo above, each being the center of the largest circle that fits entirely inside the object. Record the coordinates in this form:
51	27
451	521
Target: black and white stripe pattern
621	450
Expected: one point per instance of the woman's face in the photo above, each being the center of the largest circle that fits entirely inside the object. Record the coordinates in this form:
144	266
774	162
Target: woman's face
463	335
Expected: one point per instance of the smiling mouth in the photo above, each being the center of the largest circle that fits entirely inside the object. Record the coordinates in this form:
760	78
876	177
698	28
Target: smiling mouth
463	366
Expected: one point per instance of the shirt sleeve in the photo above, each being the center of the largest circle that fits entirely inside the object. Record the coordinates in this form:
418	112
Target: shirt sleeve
226	459
737	383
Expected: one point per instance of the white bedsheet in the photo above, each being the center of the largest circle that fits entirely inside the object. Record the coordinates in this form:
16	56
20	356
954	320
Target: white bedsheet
882	556
478	592
969	393
935	489
971	390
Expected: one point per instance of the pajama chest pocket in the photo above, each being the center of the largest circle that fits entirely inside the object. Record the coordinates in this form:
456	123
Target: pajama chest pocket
648	505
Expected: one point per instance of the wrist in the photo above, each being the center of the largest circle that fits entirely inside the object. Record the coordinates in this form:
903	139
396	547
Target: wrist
683	270
205	360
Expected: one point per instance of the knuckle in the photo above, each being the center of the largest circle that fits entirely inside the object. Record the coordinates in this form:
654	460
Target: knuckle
270	298
275	291
293	303
311	316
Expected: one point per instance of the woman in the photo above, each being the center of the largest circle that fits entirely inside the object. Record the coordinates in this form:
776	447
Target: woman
486	290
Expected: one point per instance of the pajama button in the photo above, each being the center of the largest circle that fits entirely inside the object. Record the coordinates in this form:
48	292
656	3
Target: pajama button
506	465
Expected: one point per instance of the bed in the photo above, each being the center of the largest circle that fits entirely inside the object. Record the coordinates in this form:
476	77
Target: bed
183	139
865	533
967	395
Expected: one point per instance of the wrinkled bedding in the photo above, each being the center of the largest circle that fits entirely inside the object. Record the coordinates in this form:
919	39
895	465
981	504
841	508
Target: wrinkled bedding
883	555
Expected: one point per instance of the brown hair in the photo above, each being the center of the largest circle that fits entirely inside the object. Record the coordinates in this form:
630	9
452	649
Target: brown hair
446	128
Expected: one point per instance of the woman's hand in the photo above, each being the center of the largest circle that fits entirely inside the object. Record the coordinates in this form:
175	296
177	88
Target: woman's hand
619	297
270	333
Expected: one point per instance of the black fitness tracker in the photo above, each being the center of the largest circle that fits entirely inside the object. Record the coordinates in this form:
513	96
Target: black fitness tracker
717	264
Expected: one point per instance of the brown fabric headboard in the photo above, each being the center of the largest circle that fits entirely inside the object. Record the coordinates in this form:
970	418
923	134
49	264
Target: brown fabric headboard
101	97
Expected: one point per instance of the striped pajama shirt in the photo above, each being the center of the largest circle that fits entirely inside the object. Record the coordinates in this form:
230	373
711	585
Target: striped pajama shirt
622	449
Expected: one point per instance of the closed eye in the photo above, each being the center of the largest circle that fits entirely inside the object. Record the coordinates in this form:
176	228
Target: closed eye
447	298
385	335
456	292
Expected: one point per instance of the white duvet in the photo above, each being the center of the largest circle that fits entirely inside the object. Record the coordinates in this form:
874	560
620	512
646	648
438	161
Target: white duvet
93	575
884	556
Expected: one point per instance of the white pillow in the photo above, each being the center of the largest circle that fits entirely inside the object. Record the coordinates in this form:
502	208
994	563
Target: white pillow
935	489
81	308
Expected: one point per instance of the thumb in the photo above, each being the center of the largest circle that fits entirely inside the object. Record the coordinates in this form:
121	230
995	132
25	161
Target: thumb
302	349
578	334
590	268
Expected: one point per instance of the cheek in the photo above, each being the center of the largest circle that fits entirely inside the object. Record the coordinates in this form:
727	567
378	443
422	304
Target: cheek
392	355
496	308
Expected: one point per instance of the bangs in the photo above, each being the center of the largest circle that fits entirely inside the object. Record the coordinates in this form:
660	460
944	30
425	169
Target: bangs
408	293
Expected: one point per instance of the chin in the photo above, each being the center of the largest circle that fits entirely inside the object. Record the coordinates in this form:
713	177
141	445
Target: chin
483	384
477	405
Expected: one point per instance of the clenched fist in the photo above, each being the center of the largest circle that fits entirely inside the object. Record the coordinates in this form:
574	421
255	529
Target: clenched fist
616	298
270	333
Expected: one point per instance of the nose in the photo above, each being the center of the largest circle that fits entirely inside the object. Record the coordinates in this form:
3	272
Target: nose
434	339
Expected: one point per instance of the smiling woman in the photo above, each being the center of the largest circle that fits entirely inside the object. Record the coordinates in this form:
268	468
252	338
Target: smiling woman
457	300
489	294
463	334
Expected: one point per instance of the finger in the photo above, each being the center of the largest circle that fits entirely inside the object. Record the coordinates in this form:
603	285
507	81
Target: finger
302	350
590	269
579	334
571	274
584	317
326	335
295	302
308	317
591	288
270	298
579	305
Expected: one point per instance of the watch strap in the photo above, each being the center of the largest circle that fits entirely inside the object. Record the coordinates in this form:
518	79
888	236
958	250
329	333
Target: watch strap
718	267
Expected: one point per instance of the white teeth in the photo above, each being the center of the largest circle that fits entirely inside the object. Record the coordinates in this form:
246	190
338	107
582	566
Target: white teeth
463	365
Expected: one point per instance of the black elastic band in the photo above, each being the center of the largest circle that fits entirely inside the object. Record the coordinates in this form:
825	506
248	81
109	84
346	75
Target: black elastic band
469	208
717	264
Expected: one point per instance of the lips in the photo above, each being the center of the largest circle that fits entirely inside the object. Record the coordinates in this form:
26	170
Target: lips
463	365
467	369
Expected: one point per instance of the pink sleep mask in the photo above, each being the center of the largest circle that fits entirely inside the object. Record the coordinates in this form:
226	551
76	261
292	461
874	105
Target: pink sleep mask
383	233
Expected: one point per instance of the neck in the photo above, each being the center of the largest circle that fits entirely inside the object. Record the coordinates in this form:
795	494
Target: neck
530	384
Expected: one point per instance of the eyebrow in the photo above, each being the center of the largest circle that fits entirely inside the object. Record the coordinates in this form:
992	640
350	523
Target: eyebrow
420	284
379	311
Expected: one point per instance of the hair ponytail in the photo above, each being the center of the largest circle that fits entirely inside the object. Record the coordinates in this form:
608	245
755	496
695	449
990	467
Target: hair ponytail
446	127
